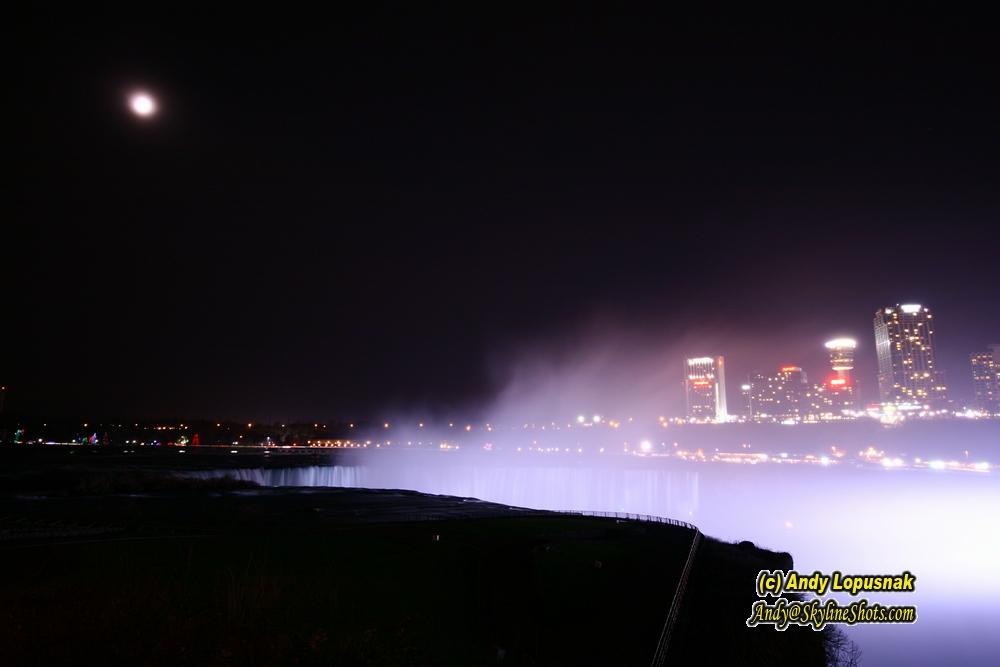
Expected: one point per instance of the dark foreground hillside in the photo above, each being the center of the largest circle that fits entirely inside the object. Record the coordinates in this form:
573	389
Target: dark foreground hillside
197	574
712	629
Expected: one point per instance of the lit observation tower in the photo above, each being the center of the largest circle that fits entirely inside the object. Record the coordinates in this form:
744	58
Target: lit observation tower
840	384
842	356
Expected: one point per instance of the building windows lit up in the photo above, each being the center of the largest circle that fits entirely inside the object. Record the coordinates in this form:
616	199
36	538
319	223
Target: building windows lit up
839	388
986	379
904	343
781	397
788	397
705	389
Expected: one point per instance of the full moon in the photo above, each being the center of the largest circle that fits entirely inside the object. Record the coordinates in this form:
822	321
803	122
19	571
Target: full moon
142	104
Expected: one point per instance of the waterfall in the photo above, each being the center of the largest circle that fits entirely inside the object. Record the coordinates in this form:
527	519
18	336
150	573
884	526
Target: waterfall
658	492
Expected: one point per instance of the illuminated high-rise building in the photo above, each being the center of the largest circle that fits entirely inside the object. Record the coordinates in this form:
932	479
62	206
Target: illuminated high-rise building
794	385
746	393
904	342
839	389
781	397
705	389
986	379
759	397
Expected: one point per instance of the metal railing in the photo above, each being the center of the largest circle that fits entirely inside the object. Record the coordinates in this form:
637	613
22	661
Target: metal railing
372	515
629	516
660	656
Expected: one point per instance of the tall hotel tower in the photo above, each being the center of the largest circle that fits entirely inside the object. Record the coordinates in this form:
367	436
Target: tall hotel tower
705	389
986	379
907	372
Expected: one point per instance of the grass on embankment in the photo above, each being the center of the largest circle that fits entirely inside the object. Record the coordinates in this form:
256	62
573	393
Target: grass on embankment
532	590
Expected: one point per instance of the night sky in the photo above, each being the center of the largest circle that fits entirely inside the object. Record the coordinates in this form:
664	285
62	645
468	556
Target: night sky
331	215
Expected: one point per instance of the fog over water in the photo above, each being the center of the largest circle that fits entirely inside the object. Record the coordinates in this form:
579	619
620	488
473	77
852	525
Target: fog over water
565	428
942	526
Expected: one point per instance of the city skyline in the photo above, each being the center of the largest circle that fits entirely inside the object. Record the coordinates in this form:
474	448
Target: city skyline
907	377
836	393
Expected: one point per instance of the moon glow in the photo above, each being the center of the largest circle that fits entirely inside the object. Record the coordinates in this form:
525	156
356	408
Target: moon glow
142	104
